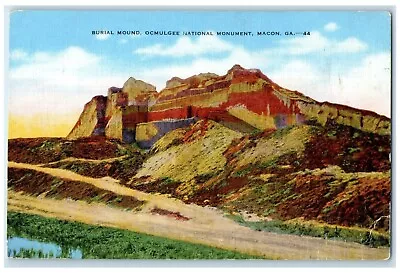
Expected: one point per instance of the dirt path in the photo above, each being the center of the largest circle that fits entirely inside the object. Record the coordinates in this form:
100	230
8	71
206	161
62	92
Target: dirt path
206	225
196	213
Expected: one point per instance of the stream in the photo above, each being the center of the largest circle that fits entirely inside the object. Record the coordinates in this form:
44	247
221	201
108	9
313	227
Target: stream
28	248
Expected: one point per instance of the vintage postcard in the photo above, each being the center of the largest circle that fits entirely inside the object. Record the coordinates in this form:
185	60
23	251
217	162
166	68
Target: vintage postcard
199	135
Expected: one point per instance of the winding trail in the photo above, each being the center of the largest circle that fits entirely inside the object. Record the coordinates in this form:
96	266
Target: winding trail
206	225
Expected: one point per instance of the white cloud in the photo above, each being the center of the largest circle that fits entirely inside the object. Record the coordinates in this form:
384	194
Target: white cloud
297	75
102	37
366	85
309	44
60	82
317	43
122	41
332	26
55	67
304	44
18	54
159	75
185	46
350	45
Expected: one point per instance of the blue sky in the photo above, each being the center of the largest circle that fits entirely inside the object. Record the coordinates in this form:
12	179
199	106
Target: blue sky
68	28
53	54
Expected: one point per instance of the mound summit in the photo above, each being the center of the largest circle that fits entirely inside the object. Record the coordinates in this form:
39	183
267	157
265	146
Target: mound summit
242	99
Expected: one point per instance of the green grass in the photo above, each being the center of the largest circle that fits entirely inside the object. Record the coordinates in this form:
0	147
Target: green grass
243	172
46	145
349	234
167	180
128	149
278	134
97	242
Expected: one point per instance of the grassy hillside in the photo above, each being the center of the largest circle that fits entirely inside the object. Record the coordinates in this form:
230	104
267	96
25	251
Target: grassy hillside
335	174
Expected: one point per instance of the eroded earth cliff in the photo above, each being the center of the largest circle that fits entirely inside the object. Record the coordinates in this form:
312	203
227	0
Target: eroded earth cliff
244	100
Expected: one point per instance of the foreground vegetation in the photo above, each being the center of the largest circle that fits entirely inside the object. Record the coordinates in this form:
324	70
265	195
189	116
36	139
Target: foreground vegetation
321	230
97	242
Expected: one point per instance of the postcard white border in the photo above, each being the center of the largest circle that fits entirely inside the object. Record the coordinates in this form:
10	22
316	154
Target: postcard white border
201	265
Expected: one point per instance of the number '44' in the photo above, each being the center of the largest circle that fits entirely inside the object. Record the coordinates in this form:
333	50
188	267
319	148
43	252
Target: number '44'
306	33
